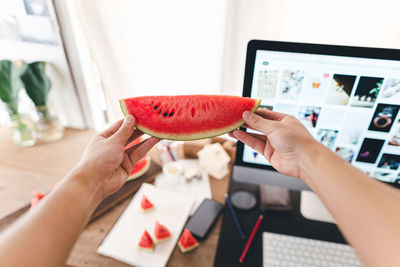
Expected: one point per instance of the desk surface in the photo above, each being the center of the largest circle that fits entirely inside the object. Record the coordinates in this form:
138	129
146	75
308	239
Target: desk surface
230	246
41	166
24	169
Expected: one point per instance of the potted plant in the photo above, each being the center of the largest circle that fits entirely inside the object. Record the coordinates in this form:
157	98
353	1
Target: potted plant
10	84
37	85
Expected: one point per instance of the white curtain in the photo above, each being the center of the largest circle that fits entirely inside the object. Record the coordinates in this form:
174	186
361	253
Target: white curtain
144	47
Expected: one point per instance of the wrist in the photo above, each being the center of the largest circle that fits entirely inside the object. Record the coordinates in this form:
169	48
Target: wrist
310	153
83	180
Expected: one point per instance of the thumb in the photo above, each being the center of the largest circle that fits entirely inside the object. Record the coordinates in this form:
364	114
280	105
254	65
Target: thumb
258	123
126	130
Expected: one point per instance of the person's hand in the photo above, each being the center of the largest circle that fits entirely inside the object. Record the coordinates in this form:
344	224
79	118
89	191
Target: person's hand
282	141
105	160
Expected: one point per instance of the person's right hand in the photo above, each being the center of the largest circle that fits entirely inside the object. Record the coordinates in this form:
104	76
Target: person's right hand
282	141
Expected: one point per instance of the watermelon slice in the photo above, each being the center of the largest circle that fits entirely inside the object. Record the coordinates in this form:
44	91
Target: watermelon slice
161	233
146	242
140	168
133	143
187	241
146	205
188	117
37	196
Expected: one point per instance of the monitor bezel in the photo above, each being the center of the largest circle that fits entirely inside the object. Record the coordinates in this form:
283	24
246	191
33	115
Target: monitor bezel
306	48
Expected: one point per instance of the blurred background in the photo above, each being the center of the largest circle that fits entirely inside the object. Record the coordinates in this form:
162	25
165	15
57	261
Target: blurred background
100	51
65	64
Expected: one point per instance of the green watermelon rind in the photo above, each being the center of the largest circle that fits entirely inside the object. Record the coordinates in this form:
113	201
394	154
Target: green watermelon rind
189	137
142	171
187	249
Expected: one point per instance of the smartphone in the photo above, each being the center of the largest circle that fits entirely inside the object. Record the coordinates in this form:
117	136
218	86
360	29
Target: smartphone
204	218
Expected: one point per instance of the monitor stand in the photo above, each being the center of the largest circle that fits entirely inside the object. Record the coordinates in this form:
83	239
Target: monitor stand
312	208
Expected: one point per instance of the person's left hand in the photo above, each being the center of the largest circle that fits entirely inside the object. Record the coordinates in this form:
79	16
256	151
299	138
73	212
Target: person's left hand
105	160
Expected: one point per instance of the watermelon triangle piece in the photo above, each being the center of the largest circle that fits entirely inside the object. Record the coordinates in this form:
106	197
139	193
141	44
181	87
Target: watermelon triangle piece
146	204
37	196
161	232
188	117
187	242
146	242
140	168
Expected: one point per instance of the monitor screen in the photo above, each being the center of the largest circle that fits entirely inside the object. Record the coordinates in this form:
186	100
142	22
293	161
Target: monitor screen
349	104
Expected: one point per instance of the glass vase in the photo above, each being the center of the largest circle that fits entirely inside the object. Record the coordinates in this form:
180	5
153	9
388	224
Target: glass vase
48	126
23	130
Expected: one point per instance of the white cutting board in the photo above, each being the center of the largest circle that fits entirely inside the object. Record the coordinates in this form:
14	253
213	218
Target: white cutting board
198	189
171	209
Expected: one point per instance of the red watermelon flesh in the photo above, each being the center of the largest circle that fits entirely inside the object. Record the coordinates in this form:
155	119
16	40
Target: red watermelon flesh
133	143
146	242
140	168
187	242
161	232
188	117
146	204
37	196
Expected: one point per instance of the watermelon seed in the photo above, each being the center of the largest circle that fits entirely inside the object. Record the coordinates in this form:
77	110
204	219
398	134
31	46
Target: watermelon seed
171	114
165	114
156	107
159	112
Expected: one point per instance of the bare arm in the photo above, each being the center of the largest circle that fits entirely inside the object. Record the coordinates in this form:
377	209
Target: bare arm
46	234
365	210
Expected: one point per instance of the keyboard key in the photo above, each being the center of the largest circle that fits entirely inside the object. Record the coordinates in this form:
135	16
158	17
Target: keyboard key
284	250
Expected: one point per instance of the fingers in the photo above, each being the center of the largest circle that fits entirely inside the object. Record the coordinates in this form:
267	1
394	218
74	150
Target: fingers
112	129
270	115
250	140
127	164
258	136
139	151
136	134
256	122
125	131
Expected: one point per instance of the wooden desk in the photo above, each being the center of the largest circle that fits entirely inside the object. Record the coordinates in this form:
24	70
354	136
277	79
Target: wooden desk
23	169
84	252
40	167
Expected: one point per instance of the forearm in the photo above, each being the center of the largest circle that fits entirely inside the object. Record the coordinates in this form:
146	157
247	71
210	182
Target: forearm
46	235
366	210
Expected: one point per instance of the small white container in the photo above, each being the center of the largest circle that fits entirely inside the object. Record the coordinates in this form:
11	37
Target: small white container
172	172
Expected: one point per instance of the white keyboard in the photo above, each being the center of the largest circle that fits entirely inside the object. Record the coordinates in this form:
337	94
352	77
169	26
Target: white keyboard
285	250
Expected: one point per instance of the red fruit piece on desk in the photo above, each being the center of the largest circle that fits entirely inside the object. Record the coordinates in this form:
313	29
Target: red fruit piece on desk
161	232
146	204
37	196
146	242
187	242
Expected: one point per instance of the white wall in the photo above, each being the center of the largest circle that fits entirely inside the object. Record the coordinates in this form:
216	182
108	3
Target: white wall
342	22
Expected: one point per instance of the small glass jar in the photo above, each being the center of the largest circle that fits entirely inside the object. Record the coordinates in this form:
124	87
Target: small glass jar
48	126
23	130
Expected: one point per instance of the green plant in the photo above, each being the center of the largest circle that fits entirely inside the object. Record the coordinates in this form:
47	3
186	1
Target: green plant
10	83
37	85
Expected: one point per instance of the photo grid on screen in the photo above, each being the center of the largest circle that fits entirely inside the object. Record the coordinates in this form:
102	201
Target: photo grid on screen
354	111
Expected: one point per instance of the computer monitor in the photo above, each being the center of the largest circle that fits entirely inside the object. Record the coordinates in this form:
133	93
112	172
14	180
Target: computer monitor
347	97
